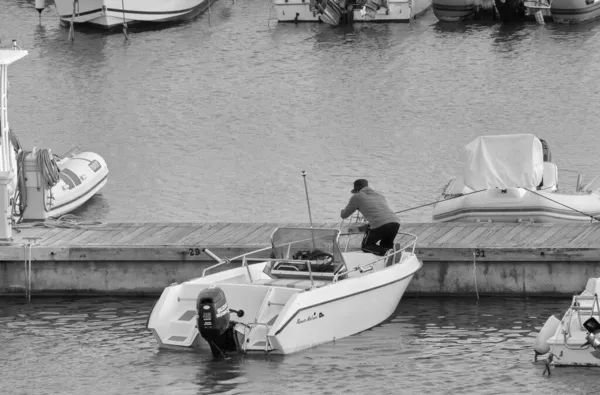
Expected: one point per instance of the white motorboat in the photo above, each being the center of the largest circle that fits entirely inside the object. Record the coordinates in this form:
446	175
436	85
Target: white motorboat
507	179
43	185
306	292
575	339
112	13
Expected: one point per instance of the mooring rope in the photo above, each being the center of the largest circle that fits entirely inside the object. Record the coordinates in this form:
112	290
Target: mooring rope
64	221
125	28
475	275
564	205
438	201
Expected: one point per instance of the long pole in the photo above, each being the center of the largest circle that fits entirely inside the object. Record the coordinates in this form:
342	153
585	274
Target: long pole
309	214
307	200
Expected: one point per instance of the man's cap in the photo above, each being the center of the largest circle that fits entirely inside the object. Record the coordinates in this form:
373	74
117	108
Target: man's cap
360	184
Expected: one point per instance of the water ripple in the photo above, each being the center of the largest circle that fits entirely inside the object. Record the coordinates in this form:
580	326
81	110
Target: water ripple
69	346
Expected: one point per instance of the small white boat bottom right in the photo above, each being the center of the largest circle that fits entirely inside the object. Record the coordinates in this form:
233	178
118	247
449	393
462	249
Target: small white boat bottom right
573	340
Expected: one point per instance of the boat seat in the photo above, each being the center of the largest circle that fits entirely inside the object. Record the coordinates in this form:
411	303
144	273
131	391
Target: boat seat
550	176
290	283
299	270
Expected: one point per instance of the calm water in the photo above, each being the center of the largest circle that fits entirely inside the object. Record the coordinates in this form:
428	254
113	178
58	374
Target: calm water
214	120
451	346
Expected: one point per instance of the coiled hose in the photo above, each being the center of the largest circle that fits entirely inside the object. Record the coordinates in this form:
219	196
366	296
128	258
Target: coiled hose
20	196
48	170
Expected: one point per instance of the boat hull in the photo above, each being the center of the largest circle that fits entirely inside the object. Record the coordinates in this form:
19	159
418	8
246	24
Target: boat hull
109	13
82	175
291	317
399	11
517	205
461	10
574	11
354	308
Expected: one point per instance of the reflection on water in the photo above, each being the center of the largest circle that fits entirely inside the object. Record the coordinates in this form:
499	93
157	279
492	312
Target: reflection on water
101	345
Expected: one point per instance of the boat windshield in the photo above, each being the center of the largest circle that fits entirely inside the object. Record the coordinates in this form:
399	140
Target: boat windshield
290	243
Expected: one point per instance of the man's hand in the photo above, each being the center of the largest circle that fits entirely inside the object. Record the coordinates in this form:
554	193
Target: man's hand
358	227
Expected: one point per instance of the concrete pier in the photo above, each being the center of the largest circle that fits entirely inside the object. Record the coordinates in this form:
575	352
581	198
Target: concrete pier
142	258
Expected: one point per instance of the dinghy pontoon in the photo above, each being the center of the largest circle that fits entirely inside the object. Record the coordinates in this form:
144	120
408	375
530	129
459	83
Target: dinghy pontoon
508	178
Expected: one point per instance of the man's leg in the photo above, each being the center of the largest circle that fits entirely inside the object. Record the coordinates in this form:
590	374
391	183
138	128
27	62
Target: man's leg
389	232
369	243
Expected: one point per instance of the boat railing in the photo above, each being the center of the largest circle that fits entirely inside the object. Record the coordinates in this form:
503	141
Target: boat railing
371	265
576	306
246	258
243	257
411	244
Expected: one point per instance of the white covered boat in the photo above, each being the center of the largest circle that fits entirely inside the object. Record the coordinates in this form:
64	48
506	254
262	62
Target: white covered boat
335	12
508	178
307	292
575	339
42	185
113	13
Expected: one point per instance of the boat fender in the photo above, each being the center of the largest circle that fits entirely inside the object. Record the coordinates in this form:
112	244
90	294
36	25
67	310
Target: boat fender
541	345
40	5
213	321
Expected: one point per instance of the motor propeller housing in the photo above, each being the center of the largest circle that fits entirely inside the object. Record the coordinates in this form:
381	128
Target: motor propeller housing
214	322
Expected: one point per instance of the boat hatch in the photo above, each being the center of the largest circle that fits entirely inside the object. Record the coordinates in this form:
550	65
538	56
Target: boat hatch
300	251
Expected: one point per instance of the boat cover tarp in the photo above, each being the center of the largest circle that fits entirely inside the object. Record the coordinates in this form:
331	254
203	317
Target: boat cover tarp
504	161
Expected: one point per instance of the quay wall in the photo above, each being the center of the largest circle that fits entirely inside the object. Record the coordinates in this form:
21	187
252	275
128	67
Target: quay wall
146	270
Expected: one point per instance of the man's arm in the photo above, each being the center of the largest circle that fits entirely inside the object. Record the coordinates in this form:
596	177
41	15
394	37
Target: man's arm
350	208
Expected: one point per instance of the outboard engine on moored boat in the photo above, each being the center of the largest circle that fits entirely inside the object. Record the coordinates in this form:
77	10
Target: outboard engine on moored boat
370	7
214	324
593	336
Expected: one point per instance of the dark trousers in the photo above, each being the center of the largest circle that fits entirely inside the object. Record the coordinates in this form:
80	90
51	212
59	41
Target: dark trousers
385	235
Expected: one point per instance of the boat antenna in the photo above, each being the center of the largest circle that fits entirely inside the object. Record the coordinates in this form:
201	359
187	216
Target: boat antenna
307	200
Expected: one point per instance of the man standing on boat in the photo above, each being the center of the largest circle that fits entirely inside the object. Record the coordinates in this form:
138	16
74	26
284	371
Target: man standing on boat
383	224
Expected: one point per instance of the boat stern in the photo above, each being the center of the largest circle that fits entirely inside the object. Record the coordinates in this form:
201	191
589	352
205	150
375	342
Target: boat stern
172	320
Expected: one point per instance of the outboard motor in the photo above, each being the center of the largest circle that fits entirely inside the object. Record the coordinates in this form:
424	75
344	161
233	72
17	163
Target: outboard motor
370	8
593	336
213	322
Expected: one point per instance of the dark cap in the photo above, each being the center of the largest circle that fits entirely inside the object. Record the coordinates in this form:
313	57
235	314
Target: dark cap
359	184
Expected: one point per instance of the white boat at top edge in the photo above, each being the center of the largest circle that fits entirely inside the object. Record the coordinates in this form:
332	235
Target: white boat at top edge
506	179
575	339
111	13
307	292
334	12
43	185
